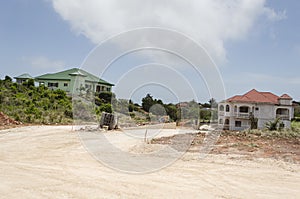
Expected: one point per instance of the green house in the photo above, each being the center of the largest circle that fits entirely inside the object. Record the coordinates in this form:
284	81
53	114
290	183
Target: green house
23	78
74	81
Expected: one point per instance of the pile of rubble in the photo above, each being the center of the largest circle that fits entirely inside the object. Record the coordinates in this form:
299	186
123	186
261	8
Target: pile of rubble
5	120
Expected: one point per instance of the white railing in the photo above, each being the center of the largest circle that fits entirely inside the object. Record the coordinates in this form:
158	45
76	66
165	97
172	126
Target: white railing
242	115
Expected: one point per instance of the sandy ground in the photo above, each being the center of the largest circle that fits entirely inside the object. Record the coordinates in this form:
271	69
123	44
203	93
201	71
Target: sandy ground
51	162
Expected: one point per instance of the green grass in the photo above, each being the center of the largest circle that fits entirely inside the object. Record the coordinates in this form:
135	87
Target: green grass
295	126
294	132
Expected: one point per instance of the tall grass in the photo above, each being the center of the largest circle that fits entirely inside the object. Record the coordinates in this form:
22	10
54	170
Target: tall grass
295	126
293	132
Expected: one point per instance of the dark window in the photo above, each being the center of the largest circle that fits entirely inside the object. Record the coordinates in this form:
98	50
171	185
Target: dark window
256	108
52	84
238	124
221	108
227	108
107	89
65	84
244	109
98	89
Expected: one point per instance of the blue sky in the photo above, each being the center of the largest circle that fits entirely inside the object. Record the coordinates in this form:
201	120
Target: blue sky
42	36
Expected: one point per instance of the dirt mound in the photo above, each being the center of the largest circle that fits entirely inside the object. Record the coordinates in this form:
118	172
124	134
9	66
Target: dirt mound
5	120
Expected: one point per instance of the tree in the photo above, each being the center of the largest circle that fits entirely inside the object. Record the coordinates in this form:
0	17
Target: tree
30	83
8	78
274	125
172	111
205	114
213	103
157	109
147	102
107	97
297	110
105	108
254	121
131	107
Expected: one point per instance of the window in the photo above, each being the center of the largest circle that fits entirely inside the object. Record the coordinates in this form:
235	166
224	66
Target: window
257	109
244	109
52	84
221	108
108	89
220	121
65	84
238	124
227	108
98	89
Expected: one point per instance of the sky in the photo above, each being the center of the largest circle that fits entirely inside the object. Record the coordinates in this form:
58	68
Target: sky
234	46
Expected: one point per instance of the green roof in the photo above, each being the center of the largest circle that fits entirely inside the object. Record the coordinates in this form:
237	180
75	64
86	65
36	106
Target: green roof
24	76
66	75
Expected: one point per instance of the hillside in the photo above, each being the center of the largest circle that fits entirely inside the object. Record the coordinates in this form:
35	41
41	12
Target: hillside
29	104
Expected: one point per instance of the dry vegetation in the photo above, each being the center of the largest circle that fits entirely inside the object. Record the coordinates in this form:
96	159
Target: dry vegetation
283	145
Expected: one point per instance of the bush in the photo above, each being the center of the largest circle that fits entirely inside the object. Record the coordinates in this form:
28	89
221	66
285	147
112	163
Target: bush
27	103
105	108
274	125
132	115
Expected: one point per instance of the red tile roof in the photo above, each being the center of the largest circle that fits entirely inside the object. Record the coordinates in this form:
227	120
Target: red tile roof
255	96
285	96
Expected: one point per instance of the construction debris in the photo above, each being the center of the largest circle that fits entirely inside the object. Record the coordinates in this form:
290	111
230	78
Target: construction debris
109	120
5	120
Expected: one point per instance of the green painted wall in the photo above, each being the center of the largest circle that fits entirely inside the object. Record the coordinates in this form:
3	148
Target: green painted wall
74	84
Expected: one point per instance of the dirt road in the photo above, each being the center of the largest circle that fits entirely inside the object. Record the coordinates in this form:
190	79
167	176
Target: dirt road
50	162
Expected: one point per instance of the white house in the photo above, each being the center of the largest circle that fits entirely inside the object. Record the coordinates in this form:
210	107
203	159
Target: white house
235	112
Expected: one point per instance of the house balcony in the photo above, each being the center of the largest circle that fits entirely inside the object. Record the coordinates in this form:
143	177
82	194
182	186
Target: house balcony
283	117
221	113
242	115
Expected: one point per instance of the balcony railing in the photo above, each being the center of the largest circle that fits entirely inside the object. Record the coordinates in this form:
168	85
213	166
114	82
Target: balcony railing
283	117
242	115
223	113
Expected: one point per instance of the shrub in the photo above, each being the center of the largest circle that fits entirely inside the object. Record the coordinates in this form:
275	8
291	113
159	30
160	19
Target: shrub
274	125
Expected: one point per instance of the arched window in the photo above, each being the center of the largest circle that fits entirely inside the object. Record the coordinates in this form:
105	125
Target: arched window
221	108
227	108
283	113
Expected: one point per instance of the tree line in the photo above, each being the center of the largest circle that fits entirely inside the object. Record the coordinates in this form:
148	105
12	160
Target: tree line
37	104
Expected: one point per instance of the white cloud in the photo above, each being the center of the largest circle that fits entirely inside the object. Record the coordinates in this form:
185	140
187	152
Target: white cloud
275	16
210	22
41	62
